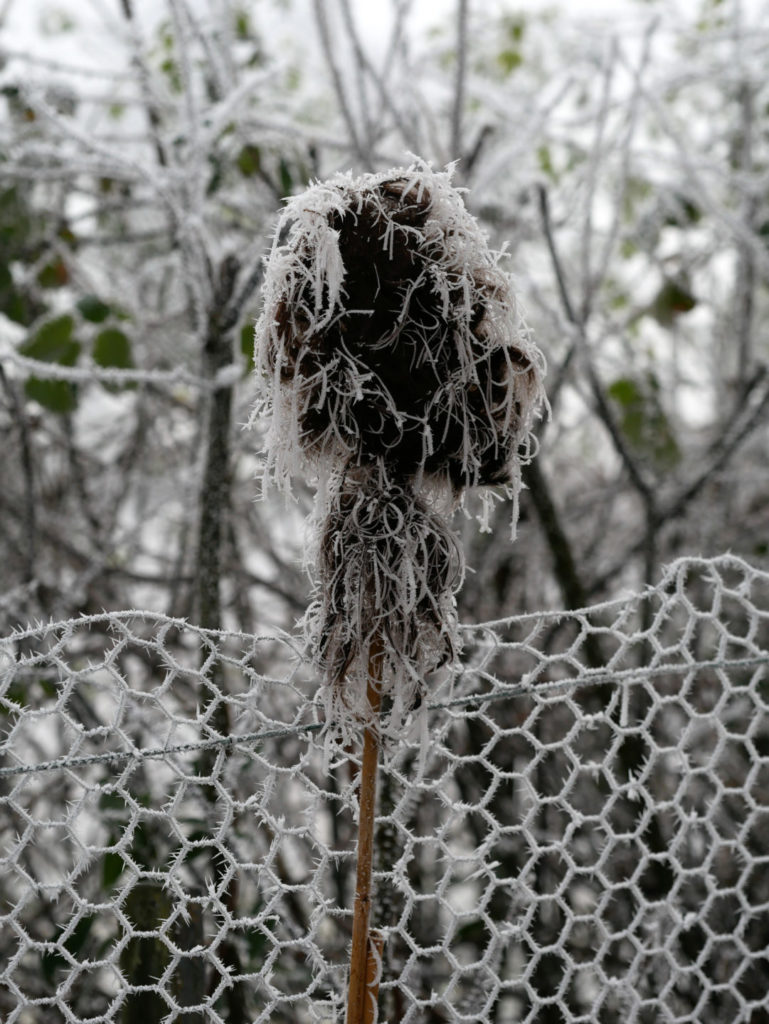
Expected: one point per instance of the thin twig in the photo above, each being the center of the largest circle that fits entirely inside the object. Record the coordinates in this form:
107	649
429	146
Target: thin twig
580	342
459	82
27	465
336	76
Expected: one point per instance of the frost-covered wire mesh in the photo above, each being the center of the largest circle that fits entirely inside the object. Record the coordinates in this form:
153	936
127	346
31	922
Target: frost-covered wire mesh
584	836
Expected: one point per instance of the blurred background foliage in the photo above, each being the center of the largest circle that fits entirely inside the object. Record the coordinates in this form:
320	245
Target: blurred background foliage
621	161
145	149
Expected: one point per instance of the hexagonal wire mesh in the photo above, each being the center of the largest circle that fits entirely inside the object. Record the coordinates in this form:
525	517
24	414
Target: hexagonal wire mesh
583	837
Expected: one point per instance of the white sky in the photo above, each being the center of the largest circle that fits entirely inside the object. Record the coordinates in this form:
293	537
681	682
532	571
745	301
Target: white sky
32	24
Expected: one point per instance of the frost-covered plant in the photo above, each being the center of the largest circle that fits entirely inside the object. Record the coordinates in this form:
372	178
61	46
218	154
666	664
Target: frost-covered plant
387	566
397	372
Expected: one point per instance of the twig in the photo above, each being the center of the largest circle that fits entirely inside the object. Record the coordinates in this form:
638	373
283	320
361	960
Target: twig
348	20
746	264
328	51
459	82
27	465
601	405
594	162
385	94
720	453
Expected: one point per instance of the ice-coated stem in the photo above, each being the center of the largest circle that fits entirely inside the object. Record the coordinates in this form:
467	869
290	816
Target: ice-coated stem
363	960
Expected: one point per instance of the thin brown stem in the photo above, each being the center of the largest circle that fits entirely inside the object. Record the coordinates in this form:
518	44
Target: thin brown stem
374	948
361	955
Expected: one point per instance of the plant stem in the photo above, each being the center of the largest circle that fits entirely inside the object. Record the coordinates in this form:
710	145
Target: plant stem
360	1008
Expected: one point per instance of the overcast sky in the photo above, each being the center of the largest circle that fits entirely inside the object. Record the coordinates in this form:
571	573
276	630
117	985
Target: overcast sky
38	22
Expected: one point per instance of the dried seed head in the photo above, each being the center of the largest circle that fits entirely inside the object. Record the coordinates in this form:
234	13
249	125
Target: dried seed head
390	336
386	566
394	366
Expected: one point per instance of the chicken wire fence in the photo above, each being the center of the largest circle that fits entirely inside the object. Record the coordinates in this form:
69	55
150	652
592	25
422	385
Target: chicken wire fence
577	828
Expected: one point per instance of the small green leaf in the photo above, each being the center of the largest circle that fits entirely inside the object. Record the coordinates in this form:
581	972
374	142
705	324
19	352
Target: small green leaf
53	343
625	391
56	395
54	274
17	226
509	60
643	420
249	160
243	28
112	348
15	697
93	309
671	301
170	69
545	162
514	26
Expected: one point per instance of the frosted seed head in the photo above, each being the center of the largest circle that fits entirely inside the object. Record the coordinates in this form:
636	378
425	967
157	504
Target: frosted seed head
396	372
390	336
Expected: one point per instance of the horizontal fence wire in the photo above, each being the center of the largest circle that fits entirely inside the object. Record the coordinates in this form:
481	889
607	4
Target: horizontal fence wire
576	828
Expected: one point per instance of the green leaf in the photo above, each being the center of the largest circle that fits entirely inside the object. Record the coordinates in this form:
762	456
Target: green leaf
243	28
545	162
112	348
53	343
514	26
57	395
249	160
625	391
54	274
509	60
16	223
643	420
170	69
673	299
93	309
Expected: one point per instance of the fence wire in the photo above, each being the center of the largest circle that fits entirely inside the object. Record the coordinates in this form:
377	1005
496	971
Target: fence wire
576	829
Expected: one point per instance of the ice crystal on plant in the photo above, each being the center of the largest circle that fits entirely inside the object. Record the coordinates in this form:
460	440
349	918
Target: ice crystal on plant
397	367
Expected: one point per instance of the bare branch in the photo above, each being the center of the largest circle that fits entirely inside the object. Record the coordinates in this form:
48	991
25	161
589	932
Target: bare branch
321	20
601	404
456	144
